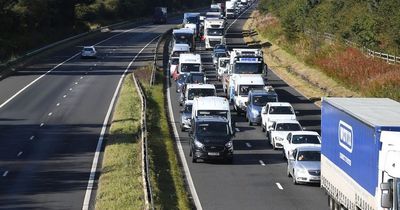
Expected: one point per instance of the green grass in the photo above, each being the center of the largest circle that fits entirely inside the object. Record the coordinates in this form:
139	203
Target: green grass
166	178
120	183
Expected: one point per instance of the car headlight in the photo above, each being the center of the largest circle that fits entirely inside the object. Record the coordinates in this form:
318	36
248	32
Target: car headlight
277	138
229	144
198	144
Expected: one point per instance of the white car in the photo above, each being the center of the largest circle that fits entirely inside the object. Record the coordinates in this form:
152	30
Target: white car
304	165
299	138
279	131
88	52
275	111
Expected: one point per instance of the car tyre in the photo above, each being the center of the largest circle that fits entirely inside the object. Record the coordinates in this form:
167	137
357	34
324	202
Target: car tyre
288	172
263	128
194	159
294	179
273	145
229	160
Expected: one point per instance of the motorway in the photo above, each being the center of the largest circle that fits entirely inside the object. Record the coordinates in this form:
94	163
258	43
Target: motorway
257	178
54	112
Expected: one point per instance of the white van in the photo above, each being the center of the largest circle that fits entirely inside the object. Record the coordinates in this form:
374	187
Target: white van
211	106
197	90
188	62
174	56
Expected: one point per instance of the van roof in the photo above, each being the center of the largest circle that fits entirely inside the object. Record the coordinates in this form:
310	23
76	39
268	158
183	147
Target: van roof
181	47
183	30
189	58
200	86
279	104
213	118
212	103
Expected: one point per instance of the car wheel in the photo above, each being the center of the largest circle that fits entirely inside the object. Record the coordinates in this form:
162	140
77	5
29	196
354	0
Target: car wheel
182	128
283	154
263	128
194	159
250	123
294	178
273	145
288	172
229	160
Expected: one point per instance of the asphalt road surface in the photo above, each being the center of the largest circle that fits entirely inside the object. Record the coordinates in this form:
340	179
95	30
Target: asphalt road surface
50	125
257	178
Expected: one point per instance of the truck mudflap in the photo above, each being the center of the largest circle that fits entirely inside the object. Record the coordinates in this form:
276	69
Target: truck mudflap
343	190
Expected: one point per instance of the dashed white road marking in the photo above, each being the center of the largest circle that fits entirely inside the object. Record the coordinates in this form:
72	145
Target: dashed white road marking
76	83
64	96
51	113
261	162
58	104
237	129
41	124
5	173
70	89
19	153
32	137
248	145
279	186
81	77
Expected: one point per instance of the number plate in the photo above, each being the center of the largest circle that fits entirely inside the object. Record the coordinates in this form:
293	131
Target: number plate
213	153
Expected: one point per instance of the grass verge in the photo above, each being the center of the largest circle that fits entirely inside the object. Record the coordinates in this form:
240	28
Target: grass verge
165	174
120	183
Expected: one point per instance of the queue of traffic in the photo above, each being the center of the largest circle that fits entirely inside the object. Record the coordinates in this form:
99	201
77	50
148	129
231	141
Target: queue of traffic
243	74
207	117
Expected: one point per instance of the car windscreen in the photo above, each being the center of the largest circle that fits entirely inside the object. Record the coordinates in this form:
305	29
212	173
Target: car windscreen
305	139
195	78
215	31
182	78
288	127
212	16
309	156
198	92
220	46
244	89
222	113
175	61
213	129
188	108
88	49
190	67
182	38
281	110
177	53
262	100
230	10
248	68
214	10
192	19
220	54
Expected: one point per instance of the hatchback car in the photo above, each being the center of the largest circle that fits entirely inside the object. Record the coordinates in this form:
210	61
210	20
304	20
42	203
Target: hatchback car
304	165
186	116
299	138
88	52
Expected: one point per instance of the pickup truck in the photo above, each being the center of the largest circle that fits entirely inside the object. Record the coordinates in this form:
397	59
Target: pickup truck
274	111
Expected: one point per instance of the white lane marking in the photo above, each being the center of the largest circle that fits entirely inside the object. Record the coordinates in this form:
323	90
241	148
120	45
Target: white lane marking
261	162
95	64
5	173
41	124
86	72
32	137
81	77
237	129
93	170
60	64
51	113
19	153
64	96
70	89
76	83
58	104
188	176
279	186
248	145
237	19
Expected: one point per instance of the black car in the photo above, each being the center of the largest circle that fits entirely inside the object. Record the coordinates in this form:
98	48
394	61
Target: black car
223	47
211	138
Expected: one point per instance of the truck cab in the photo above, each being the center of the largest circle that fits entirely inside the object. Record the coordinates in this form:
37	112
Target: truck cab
210	139
230	11
192	20
214	32
184	36
188	62
256	100
274	111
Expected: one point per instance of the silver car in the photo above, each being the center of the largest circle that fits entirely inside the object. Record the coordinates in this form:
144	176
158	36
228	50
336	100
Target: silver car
186	116
304	164
88	52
